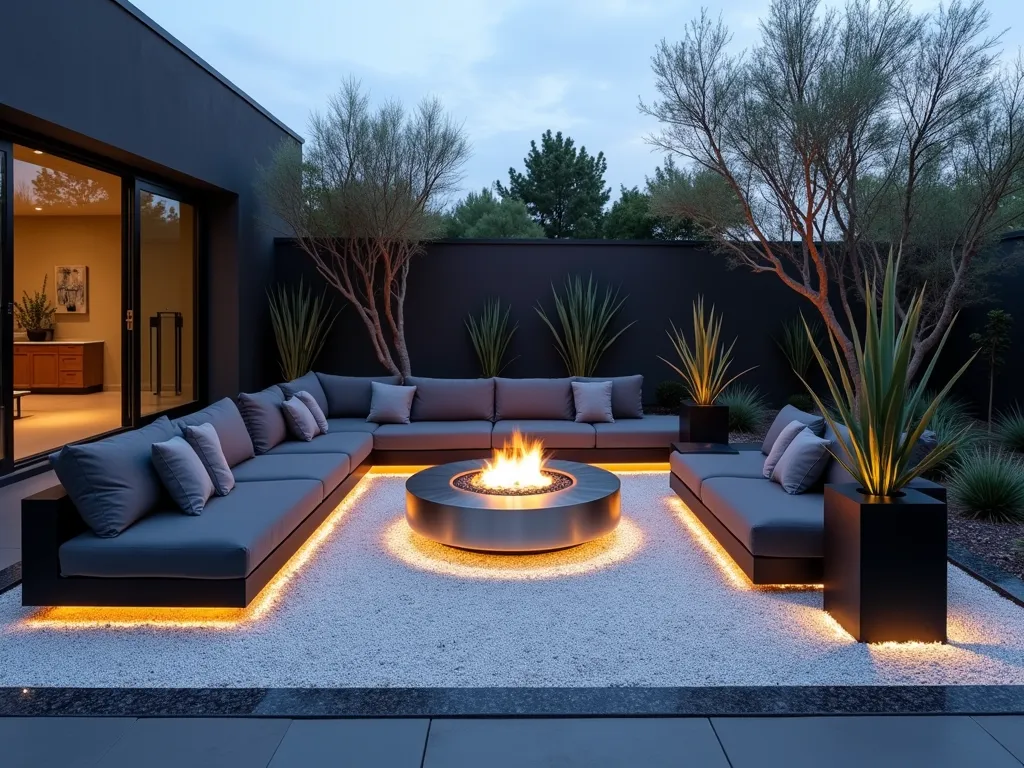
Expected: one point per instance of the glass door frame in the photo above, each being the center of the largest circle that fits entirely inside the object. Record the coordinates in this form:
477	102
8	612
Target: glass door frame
131	346
6	307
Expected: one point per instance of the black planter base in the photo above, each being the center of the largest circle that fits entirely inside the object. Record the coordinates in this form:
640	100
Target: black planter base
885	565
703	423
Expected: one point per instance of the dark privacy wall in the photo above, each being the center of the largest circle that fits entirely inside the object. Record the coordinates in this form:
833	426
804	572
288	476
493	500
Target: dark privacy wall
659	281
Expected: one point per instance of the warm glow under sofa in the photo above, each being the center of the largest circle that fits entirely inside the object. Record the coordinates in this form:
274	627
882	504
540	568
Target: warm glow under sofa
285	488
775	537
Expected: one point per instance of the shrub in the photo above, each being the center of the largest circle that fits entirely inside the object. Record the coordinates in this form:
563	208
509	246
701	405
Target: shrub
953	417
1010	429
491	335
989	485
301	322
747	408
802	401
670	394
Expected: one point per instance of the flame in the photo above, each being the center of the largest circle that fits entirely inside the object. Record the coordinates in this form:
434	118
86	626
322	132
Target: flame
518	464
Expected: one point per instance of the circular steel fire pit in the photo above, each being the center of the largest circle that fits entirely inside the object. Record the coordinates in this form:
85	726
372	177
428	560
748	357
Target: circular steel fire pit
537	521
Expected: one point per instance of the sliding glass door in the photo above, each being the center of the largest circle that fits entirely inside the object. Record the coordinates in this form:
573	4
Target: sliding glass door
165	305
7	410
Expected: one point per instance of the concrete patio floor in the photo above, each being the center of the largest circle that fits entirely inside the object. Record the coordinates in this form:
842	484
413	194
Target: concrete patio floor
796	742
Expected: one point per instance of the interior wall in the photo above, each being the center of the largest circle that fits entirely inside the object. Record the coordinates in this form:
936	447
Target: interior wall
167	284
43	242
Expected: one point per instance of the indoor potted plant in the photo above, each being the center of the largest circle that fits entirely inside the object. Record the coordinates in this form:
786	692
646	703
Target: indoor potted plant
884	543
35	314
704	366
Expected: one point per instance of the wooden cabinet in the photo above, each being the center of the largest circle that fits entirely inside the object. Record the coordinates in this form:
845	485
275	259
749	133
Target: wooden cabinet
70	367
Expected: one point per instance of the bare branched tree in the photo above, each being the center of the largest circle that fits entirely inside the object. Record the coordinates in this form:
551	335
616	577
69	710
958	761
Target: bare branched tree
363	200
842	134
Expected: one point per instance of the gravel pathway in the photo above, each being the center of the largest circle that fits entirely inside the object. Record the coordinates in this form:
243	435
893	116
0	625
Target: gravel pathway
651	607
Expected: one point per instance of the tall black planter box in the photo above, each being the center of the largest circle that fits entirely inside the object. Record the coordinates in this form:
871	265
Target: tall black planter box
885	565
703	423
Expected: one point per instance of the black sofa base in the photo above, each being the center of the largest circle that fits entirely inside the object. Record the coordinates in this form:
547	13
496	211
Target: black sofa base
760	570
48	519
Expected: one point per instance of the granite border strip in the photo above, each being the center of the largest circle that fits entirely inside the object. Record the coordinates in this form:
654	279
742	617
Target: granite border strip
723	701
10	577
989	574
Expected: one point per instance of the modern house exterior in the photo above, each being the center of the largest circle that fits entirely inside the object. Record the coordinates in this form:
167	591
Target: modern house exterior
128	188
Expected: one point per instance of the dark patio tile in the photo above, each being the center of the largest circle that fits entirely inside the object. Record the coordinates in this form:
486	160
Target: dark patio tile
568	743
1008	730
352	743
854	742
197	743
49	742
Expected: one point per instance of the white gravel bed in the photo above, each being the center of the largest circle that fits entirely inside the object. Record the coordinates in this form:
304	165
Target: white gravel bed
652	607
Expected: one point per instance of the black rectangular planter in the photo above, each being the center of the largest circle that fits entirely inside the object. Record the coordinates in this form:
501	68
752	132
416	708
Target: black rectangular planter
703	423
885	565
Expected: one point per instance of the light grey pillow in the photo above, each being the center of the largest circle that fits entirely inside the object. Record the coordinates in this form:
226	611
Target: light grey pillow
349	396
310	384
627	394
183	474
802	463
786	415
231	432
317	412
782	442
206	443
300	421
593	401
390	403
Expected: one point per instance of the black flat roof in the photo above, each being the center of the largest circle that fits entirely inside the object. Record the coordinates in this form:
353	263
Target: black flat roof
127	6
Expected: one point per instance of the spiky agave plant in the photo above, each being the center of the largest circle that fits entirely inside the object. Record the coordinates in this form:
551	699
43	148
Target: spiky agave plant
301	322
491	335
795	344
704	365
585	317
877	403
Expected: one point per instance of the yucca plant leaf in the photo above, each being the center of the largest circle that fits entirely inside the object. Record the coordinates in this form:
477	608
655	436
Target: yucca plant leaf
491	336
301	322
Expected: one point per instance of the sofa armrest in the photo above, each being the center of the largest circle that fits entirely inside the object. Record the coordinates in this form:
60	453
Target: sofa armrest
48	519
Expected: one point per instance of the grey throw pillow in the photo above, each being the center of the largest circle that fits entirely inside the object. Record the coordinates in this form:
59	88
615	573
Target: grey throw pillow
802	463
113	482
314	408
782	442
301	423
593	401
206	443
183	474
390	403
231	431
310	384
627	395
349	396
263	418
786	415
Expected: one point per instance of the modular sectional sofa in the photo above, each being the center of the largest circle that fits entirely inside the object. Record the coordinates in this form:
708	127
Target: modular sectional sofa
284	488
775	537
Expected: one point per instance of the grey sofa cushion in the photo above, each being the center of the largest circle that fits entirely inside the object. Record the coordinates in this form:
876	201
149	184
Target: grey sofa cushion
452	399
556	433
301	424
349	396
182	474
356	445
228	541
536	399
227	420
785	416
627	394
309	383
803	463
206	443
330	469
351	425
695	469
786	436
592	401
262	414
113	482
651	431
767	520
390	403
433	435
315	410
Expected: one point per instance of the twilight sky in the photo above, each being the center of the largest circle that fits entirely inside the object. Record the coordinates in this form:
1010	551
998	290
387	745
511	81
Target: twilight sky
509	68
